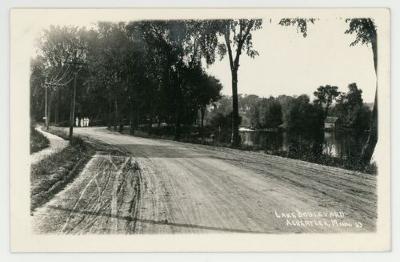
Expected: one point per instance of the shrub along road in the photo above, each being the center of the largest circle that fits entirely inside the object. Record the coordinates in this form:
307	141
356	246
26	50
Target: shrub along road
184	187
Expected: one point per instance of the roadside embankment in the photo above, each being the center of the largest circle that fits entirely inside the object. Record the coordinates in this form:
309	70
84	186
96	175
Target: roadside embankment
45	144
38	141
53	172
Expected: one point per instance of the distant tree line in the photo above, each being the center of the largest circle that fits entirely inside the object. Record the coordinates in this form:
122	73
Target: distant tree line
296	113
365	31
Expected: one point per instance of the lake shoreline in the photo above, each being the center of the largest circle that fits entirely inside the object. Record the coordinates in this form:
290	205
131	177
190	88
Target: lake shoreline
322	159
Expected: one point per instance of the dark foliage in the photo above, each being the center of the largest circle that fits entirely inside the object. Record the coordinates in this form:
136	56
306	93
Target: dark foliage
352	112
138	73
304	117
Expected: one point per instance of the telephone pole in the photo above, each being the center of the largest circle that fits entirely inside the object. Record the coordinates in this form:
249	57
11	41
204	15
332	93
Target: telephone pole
77	66
47	85
46	118
72	112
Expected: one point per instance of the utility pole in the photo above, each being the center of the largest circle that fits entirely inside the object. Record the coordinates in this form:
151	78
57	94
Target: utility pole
53	85
46	118
72	112
56	84
77	66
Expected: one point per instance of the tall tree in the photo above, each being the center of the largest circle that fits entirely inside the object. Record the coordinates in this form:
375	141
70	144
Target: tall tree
112	62
270	113
179	48
206	90
365	32
351	109
169	39
37	92
325	95
304	117
238	38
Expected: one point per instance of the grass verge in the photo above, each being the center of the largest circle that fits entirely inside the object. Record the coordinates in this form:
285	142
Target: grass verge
51	175
38	141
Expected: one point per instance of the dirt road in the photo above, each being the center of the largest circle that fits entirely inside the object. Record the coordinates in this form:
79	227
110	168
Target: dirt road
193	188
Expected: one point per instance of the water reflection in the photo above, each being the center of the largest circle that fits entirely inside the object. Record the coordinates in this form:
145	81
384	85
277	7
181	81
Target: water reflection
343	145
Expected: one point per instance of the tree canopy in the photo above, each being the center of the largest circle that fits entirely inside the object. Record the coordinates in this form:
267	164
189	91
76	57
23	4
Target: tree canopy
136	73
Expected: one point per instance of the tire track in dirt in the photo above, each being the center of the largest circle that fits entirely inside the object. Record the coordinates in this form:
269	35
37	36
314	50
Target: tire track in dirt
186	188
100	200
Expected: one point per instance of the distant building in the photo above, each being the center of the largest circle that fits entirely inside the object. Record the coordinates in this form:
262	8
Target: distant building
245	129
331	123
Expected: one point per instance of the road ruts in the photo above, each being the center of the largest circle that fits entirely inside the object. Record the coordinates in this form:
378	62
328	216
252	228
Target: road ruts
187	188
101	200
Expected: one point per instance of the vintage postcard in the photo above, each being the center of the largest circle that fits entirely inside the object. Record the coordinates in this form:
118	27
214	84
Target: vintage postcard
200	130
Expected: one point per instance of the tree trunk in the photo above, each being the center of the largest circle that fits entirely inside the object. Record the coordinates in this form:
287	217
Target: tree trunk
46	106
109	118
150	124
131	118
115	115
137	117
178	126
202	113
178	107
234	66
235	113
56	108
369	147
49	111
326	111
72	114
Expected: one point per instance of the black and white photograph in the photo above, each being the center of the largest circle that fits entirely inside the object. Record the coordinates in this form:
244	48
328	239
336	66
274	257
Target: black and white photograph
255	123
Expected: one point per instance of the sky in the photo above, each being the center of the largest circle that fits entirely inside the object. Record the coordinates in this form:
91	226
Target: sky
288	63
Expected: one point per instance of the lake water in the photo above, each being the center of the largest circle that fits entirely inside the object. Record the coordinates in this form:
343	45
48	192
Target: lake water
344	145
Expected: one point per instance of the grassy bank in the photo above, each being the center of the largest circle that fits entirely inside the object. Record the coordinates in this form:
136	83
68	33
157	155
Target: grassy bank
52	174
37	141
